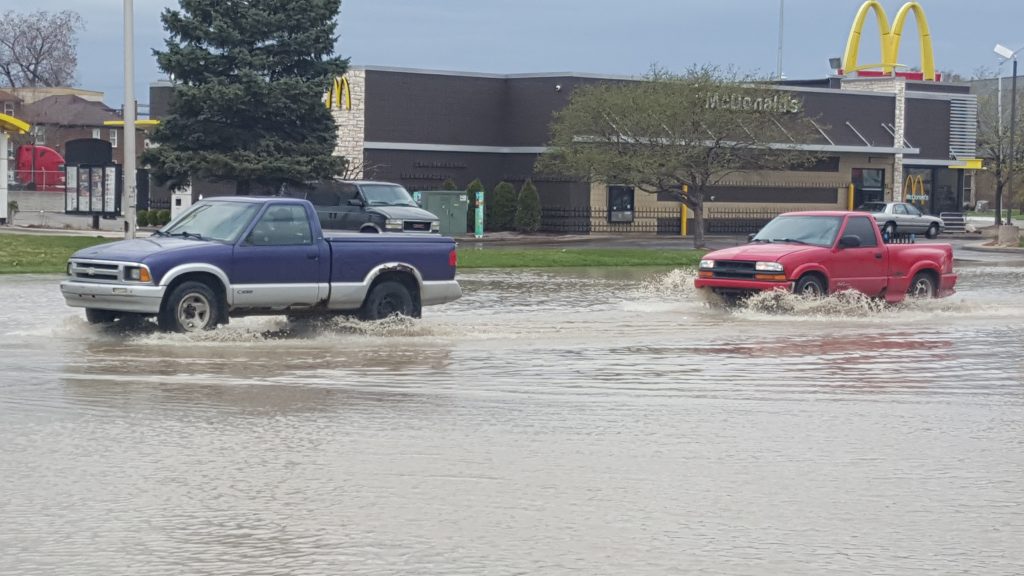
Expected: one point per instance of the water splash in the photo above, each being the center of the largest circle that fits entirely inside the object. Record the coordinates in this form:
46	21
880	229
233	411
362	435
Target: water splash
845	304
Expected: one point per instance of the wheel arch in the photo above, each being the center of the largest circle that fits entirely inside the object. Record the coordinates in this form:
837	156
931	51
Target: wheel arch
815	269
213	281
405	274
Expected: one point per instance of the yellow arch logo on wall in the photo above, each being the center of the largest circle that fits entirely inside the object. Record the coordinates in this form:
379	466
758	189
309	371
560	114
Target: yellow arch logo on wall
890	38
915	185
340	92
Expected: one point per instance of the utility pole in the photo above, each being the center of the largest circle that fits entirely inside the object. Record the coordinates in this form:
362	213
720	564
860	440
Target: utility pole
128	199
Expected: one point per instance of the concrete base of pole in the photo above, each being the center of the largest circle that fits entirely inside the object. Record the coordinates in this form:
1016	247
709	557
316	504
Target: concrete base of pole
1009	235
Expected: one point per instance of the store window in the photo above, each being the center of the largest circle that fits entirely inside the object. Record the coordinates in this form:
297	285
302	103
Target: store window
868	185
620	203
96	133
9	108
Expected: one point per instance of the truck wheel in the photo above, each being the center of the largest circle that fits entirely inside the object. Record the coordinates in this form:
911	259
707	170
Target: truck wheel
932	232
191	307
387	299
94	316
810	286
922	286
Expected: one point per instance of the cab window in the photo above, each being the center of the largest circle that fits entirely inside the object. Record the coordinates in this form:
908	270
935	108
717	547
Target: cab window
347	192
863	228
282	225
900	209
912	210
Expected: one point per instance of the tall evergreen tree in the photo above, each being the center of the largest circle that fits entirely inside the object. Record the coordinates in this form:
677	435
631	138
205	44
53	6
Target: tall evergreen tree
501	214
528	209
449	184
249	77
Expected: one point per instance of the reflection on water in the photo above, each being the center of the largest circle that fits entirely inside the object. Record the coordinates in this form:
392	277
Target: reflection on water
550	422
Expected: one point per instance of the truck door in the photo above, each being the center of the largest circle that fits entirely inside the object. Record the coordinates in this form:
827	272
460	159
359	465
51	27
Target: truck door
864	267
327	203
279	264
353	216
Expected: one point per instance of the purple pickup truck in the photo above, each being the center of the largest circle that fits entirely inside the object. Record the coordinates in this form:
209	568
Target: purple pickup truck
246	256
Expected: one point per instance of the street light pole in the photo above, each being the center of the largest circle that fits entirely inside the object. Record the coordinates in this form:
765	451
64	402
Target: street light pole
1013	133
128	199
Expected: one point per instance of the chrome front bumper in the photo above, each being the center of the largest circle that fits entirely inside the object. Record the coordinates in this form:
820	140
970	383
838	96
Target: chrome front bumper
439	292
117	297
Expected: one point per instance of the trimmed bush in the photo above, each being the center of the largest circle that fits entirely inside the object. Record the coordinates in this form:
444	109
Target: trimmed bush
162	217
449	184
12	210
474	187
528	208
142	218
502	215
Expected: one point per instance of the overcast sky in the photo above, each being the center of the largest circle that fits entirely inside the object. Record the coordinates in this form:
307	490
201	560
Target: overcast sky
595	36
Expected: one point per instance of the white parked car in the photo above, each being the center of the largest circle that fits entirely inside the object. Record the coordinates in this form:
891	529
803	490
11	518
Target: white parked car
903	218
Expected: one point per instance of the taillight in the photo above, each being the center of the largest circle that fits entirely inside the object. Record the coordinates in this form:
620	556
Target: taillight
453	259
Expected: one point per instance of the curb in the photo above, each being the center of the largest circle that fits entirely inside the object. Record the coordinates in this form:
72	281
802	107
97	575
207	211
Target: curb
994	249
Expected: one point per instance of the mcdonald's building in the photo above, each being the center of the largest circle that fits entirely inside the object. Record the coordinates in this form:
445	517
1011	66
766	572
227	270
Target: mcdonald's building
885	138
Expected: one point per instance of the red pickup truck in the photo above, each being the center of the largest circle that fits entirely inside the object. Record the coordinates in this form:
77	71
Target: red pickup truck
817	253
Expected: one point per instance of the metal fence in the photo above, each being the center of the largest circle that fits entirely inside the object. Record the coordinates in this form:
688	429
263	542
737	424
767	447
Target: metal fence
737	220
653	220
595	220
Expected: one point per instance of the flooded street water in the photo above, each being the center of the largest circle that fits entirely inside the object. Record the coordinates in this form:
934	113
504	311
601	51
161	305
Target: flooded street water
550	422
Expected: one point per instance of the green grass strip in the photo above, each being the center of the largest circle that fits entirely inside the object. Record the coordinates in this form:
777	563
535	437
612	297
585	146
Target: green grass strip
574	257
35	254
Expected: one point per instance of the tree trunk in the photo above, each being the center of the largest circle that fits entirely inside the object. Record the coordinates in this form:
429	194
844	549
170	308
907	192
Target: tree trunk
242	187
698	219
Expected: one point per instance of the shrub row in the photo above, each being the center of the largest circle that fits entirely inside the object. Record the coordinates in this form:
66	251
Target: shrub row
506	209
152	217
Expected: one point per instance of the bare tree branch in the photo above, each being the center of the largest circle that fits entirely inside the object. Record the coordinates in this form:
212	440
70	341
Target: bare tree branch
39	48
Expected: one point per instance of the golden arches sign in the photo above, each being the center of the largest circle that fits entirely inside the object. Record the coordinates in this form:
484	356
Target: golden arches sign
340	92
915	184
890	38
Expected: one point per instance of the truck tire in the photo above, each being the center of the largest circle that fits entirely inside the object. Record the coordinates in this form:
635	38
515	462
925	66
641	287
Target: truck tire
387	299
809	285
190	307
922	286
94	316
933	231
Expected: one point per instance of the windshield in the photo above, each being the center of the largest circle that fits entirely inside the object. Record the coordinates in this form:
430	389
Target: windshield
813	230
219	221
871	207
386	195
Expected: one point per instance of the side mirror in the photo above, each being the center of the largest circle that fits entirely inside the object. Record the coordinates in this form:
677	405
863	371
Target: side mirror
750	237
356	202
849	242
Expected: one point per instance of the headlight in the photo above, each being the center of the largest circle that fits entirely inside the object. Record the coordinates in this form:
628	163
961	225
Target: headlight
707	264
768	267
393	223
68	270
137	274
